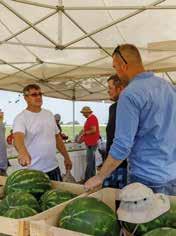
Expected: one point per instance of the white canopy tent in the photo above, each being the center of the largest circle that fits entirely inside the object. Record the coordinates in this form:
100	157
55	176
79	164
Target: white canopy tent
66	45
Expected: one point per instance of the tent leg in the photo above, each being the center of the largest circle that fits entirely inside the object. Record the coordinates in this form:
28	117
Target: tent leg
73	119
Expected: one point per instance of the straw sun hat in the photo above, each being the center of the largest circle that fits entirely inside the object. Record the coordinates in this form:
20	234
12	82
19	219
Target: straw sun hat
86	110
140	205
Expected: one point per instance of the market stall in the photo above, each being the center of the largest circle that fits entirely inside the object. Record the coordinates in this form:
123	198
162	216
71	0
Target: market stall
66	48
77	154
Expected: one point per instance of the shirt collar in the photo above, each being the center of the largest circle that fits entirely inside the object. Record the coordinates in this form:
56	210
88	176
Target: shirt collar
89	115
143	75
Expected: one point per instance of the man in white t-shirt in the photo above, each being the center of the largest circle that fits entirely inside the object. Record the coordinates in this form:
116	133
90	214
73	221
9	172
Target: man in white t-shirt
36	136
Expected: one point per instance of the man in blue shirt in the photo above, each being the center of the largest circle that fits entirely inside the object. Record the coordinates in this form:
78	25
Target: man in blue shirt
145	127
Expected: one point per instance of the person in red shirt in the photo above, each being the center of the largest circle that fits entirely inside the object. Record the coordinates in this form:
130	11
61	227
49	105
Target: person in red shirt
90	135
10	138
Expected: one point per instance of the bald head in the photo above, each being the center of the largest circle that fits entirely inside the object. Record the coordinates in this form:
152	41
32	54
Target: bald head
128	53
127	62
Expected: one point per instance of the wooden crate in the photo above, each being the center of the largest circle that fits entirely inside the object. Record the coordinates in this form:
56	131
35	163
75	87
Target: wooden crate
48	227
20	227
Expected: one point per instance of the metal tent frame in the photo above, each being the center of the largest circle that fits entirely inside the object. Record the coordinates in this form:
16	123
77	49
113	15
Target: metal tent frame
74	62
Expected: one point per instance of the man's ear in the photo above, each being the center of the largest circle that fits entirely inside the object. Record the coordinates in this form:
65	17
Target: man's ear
124	67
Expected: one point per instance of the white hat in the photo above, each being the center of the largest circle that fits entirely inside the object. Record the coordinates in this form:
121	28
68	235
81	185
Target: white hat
145	207
135	192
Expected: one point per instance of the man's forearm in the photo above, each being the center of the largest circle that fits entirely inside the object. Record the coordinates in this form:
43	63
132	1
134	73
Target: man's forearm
108	167
61	146
20	146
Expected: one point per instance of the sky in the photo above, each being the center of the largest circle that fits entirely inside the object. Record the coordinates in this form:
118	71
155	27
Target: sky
12	103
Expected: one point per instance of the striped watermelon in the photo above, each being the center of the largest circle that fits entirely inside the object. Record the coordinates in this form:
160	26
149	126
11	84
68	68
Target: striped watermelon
20	212
90	216
168	219
161	232
18	199
54	197
31	181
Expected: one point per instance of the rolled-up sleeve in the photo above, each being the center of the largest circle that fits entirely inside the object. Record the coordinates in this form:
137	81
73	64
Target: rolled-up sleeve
127	122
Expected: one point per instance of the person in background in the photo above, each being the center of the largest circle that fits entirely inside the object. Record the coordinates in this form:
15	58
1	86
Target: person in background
145	126
3	151
118	178
58	119
102	150
10	138
36	136
90	135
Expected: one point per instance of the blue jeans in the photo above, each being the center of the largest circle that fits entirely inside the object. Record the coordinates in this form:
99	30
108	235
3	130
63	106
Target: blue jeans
55	174
118	178
168	188
90	155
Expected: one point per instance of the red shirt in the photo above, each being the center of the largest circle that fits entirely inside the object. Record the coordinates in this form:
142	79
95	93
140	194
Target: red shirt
10	139
91	139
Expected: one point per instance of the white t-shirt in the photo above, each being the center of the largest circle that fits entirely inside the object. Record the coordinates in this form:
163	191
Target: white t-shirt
40	129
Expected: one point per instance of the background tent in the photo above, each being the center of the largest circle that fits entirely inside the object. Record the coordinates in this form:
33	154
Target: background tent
66	46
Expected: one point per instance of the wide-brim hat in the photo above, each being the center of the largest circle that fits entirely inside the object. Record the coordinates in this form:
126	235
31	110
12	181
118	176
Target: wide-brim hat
141	211
134	192
86	110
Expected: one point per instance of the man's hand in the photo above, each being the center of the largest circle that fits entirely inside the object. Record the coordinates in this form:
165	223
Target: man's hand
93	183
24	160
68	164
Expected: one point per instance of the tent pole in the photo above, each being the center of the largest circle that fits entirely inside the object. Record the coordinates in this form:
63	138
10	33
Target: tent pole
59	24
73	100
73	119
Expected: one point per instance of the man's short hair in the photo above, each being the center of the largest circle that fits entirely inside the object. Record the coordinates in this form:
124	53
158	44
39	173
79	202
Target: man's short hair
128	53
29	87
116	81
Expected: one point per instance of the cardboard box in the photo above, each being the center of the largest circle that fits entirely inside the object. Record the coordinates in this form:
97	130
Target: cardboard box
20	227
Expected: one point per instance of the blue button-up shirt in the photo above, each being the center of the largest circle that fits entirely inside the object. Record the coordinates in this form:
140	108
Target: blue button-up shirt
146	128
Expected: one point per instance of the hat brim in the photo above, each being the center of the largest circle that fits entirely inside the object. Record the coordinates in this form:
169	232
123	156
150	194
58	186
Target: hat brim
159	206
86	111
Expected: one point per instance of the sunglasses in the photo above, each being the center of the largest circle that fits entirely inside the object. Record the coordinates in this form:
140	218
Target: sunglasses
35	94
117	51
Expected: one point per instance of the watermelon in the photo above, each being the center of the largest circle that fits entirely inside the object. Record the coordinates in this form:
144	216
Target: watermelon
20	212
52	198
31	181
90	216
161	232
18	199
168	219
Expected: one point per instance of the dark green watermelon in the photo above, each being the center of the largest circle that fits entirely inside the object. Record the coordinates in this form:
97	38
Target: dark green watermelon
161	232
18	199
90	216
52	198
20	212
31	181
168	219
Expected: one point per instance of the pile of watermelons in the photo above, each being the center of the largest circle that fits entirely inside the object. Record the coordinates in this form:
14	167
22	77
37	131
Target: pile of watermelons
164	225
28	192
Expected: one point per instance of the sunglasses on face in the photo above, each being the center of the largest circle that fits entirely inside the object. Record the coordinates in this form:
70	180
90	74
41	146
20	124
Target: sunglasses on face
35	94
117	51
